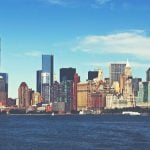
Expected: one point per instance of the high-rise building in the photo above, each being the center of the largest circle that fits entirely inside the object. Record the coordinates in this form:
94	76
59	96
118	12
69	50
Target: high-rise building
45	87
126	85
23	95
92	75
45	78
67	74
75	82
135	85
83	92
144	92
38	81
66	94
115	71
148	75
5	78
48	66
55	92
2	91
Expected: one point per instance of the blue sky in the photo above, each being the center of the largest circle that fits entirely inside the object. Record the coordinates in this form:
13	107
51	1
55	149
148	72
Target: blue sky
86	34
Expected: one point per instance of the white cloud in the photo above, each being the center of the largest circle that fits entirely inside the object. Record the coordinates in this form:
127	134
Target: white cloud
102	2
33	53
93	3
135	43
58	2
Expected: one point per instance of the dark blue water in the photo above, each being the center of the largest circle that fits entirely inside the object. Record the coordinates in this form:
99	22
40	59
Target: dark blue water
37	132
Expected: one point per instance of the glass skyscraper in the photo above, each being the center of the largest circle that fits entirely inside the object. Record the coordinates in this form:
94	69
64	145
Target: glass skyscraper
5	78
45	78
48	66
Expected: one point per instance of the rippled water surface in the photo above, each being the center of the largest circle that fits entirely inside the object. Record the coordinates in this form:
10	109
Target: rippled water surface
72	132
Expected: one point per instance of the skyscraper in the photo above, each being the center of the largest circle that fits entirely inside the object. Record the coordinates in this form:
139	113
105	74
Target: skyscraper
67	74
92	75
45	87
75	82
5	78
2	91
148	75
48	66
45	77
115	71
38	81
144	92
135	85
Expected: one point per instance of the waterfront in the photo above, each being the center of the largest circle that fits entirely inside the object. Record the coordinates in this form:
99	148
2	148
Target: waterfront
74	132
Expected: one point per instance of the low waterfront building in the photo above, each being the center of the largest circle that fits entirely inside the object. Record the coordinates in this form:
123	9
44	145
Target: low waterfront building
114	101
36	98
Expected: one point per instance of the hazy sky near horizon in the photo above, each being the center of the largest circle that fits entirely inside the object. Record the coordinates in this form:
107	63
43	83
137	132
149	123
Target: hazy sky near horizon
85	34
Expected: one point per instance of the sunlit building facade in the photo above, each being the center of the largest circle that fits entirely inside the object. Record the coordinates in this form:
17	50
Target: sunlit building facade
23	95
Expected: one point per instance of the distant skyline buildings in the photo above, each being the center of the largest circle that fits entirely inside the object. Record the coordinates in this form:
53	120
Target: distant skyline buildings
48	26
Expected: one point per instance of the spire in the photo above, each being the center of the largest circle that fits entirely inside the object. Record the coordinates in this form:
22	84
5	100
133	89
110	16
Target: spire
128	64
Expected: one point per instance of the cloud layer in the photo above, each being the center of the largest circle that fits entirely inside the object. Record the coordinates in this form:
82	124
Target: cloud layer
68	2
133	42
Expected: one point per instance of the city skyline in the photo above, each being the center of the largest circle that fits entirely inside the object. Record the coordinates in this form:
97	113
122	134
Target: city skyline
82	35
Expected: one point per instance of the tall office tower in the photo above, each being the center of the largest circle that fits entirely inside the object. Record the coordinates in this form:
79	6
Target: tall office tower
148	75
2	91
38	81
5	78
115	71
23	95
126	86
48	66
135	85
144	92
67	74
55	92
66	94
92	75
75	82
45	87
45	78
128	81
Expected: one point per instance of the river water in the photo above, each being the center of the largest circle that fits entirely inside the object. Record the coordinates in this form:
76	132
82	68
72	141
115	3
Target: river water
74	132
